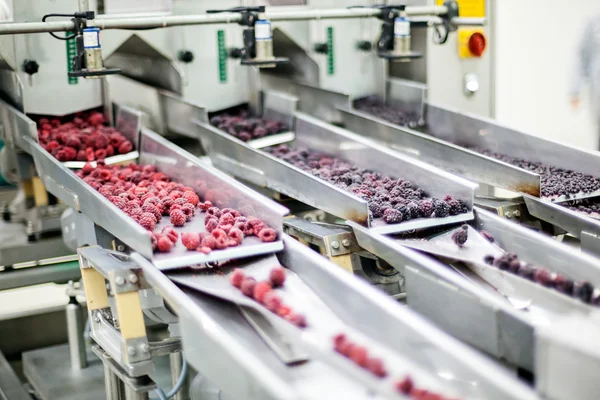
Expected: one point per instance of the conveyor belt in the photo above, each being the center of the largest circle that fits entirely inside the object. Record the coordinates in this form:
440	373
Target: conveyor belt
260	168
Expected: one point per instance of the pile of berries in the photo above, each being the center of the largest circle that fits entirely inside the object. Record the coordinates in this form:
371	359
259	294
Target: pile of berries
374	105
84	138
394	200
360	356
264	293
556	181
588	206
146	195
245	127
584	291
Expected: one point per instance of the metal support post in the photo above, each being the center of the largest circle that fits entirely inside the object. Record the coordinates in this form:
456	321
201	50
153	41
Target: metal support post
175	360
112	383
75	326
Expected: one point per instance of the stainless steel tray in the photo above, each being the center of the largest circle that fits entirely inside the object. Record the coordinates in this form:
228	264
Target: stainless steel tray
262	169
180	166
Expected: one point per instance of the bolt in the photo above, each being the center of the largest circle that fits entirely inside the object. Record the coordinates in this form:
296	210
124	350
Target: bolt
133	278
517	213
119	280
346	243
131	351
335	244
145	348
96	319
120	247
508	214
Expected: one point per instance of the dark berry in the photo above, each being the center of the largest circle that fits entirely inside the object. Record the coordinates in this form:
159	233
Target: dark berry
583	291
488	236
460	237
440	208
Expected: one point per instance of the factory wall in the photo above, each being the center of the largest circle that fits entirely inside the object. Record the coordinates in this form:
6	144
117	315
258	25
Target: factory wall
535	43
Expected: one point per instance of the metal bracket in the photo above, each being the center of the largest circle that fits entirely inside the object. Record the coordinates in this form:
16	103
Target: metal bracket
590	243
335	240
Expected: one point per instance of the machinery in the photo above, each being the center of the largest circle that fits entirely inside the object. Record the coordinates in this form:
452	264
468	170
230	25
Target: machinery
158	319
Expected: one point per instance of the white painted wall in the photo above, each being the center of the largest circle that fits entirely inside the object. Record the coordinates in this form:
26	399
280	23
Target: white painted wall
535	44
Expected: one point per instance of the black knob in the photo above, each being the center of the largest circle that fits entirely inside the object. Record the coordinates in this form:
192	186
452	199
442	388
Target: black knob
321	48
31	67
364	45
185	56
236	53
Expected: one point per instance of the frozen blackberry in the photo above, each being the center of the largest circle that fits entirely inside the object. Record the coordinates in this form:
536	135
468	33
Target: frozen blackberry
488	259
403	210
564	285
412	209
461	236
514	266
527	271
440	208
583	291
425	208
393	216
455	207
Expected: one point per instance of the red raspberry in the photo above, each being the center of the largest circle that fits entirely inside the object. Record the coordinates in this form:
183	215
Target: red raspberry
272	301
236	214
151	208
226	219
87	168
258	228
241	226
277	276
221	243
164	244
298	319
171	233
73	141
188	210
339	339
232	243
211	224
177	217
136	213
283	311
260	290
205	206
81	156
267	235
219	234
110	151
225	228
89	153
247	286
95	119
359	355
375	365
148	221
166	204
100	154
125	147
190	240
52	145
101	142
105	175
236	277
405	386
214	211
205	250
210	242
116	139
178	200
236	234
191	198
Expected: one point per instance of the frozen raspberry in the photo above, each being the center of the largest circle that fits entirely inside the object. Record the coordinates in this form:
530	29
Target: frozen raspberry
338	340
153	240
210	242
190	240
267	235
488	236
260	290
232	243
236	277
73	141
222	243
392	216
125	147
116	139
219	234
543	277
236	214
375	365
100	154
87	168
110	151
247	286
148	221
257	228
151	208
89	154
211	224
205	206
171	233
191	198
461	236
272	301
236	234
214	211
189	211
283	311
177	217
277	276
205	250
359	355
564	285
81	156
226	219
298	319
164	244
405	386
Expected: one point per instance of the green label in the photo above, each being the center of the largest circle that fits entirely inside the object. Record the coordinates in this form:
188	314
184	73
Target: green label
222	56
330	54
71	52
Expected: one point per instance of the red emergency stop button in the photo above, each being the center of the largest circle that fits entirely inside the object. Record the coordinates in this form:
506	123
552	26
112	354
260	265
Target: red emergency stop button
477	44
